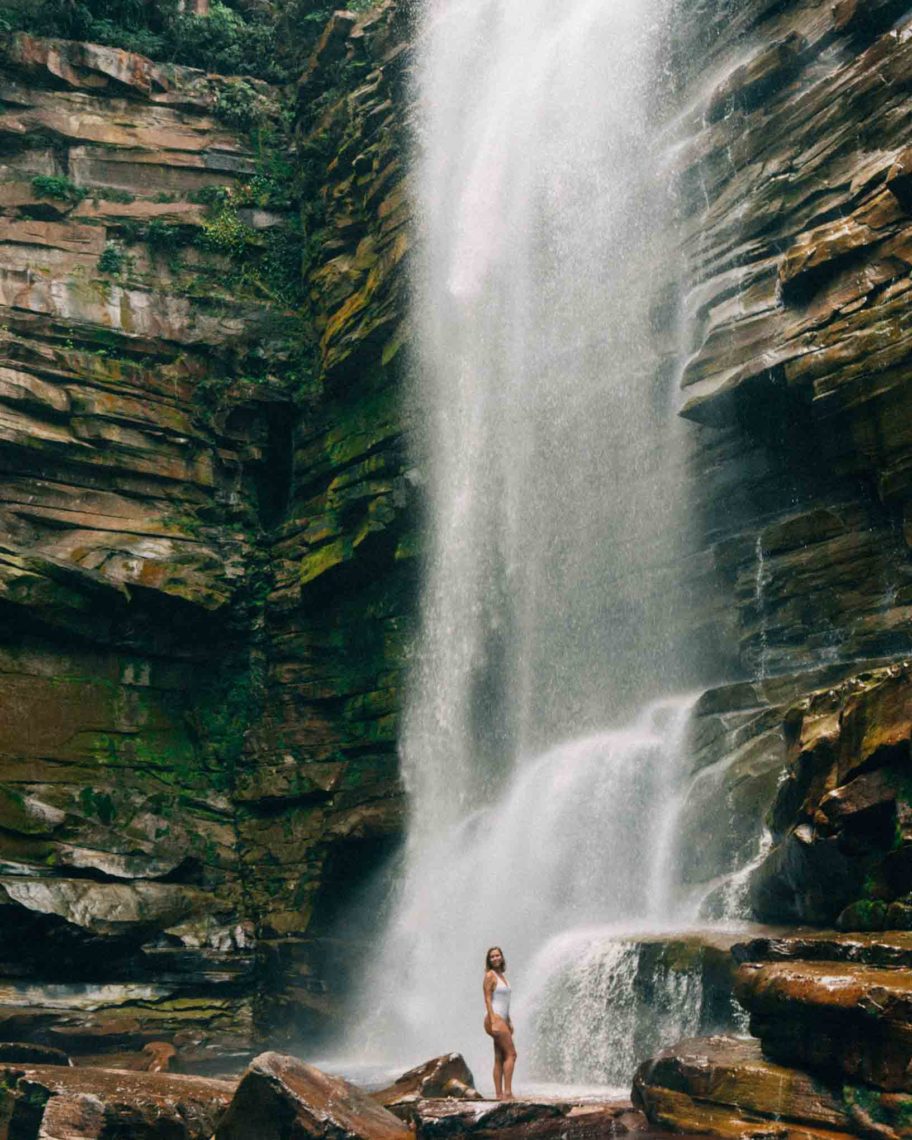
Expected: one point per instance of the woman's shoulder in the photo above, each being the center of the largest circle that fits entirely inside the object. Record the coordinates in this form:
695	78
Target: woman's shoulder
490	975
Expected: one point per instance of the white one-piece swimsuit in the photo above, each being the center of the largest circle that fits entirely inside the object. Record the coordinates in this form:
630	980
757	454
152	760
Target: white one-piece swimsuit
500	999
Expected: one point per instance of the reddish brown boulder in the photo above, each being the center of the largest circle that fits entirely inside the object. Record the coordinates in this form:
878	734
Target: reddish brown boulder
56	1103
73	1116
525	1119
837	1018
281	1098
446	1076
887	948
732	1074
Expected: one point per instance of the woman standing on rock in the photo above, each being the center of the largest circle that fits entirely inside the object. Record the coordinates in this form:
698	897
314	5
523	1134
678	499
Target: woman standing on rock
497	1022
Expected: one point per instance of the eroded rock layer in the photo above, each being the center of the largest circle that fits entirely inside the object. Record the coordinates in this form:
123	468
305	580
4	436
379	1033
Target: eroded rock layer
204	550
795	217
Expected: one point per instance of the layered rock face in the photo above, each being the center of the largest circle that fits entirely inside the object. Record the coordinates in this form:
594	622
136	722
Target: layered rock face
792	213
792	184
795	216
337	615
202	495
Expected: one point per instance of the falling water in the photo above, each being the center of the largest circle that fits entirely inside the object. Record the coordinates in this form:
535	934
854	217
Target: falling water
555	510
760	607
591	1022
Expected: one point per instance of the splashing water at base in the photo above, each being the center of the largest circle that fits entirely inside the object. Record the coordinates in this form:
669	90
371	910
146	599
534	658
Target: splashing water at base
575	838
593	1015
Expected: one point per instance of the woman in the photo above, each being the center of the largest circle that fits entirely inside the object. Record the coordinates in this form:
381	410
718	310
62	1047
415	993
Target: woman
497	1022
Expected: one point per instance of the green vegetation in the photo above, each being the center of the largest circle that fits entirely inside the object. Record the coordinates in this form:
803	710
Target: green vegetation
236	38
210	195
111	194
112	260
98	805
63	190
55	186
240	105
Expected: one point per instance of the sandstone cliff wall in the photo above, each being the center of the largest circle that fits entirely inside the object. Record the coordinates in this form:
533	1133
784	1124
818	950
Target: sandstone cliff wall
205	562
795	218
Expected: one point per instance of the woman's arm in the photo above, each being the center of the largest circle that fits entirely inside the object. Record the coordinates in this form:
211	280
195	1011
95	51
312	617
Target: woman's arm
490	981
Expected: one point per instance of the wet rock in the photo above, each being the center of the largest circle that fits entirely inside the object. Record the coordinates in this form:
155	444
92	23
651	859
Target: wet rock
281	1098
515	1120
73	1116
110	1024
30	1053
141	473
838	1018
842	818
67	1104
725	1086
892	948
445	1076
749	84
160	1055
677	1112
866	19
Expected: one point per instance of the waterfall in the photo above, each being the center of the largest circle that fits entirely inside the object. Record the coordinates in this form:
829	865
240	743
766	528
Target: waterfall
556	505
589	1024
760	608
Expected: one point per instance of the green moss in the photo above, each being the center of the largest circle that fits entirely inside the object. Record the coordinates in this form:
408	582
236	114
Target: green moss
98	804
57	187
868	1101
864	914
111	194
225	233
112	260
210	196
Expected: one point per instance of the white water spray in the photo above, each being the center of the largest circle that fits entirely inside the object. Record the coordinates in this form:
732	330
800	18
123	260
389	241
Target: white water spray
556	506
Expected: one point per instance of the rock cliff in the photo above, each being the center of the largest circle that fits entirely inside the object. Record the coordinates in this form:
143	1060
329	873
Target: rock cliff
794	218
205	561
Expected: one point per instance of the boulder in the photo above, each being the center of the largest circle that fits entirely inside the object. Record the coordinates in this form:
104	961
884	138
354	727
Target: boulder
837	1018
73	1116
281	1098
56	1103
30	1053
724	1086
732	1074
889	948
842	818
678	1112
446	1076
525	1119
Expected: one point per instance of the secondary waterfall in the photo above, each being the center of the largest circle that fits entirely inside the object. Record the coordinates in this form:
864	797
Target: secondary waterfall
552	461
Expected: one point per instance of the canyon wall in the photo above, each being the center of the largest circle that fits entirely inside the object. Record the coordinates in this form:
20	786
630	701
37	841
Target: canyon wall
205	559
793	219
796	218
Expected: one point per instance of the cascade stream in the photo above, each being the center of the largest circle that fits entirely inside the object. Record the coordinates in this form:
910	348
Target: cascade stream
557	514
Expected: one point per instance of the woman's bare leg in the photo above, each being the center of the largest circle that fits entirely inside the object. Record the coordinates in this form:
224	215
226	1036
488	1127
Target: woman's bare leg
506	1051
498	1071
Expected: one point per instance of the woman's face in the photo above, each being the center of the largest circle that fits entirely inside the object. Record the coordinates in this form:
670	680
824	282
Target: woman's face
496	960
